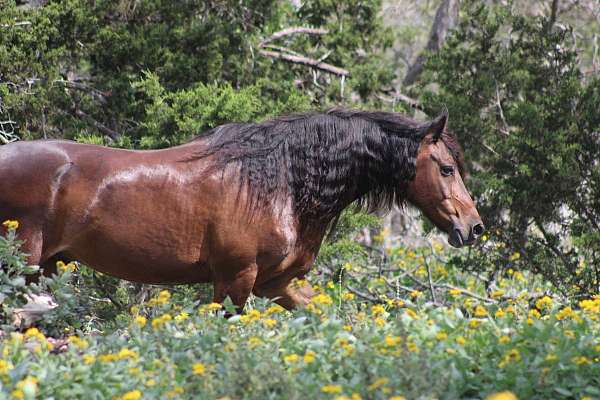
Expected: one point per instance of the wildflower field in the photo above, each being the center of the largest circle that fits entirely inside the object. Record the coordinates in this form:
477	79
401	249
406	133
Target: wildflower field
395	324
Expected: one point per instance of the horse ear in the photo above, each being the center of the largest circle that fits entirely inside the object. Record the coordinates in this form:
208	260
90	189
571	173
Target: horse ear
437	126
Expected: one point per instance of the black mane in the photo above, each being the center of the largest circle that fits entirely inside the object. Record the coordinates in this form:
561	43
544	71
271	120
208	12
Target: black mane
324	160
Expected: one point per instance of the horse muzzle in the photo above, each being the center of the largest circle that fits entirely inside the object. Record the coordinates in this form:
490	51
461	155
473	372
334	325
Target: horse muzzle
460	237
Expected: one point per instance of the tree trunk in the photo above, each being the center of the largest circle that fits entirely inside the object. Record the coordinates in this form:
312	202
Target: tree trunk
446	18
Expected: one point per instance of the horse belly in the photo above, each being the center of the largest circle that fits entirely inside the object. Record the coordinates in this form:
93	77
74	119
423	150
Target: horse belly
145	232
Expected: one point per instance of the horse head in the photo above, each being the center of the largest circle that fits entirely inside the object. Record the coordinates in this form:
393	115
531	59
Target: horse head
438	188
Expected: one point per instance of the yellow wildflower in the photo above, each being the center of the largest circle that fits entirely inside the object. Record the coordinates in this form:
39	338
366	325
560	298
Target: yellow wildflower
415	294
551	357
125	353
348	296
309	356
502	396
391	341
377	384
163	298
132	395
5	366
291	358
159	322
140	321
34	333
274	310
11	225
269	323
254	342
582	360
510	356
199	369
377	310
28	387
504	339
497	293
347	328
455	292
480	311
544	303
519	276
411	313
106	358
332	389
214	306
177	390
250	317
461	340
182	316
322	300
514	256
499	313
474	323
569	333
565	313
88	359
412	347
397	398
441	336
81	344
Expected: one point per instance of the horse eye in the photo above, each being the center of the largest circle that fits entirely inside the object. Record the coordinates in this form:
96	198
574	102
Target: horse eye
447	170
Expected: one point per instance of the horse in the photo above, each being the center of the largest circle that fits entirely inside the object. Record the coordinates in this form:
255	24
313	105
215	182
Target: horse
245	206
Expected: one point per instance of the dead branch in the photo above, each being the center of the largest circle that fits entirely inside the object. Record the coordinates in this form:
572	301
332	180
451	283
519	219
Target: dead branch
293	31
95	93
467	293
362	295
404	99
506	129
16	24
302	60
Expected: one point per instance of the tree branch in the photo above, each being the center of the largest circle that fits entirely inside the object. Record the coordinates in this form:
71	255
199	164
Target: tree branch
403	98
297	59
95	93
293	31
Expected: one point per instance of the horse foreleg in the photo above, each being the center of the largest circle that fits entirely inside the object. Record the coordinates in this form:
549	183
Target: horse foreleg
288	296
32	246
237	285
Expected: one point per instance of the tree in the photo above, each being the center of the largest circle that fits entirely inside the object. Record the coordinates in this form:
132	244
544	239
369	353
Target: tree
82	69
529	123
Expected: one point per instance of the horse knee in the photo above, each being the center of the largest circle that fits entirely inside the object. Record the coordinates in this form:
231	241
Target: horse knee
237	287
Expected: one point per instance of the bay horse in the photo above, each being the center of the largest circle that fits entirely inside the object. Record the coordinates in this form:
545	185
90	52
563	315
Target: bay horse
245	206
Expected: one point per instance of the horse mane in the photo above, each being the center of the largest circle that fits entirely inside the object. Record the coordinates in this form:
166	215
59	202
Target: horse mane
324	160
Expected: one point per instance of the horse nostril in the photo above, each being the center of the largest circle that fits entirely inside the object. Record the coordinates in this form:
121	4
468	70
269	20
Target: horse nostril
478	229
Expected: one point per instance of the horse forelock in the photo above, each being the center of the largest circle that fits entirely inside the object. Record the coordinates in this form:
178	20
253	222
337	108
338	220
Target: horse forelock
323	161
